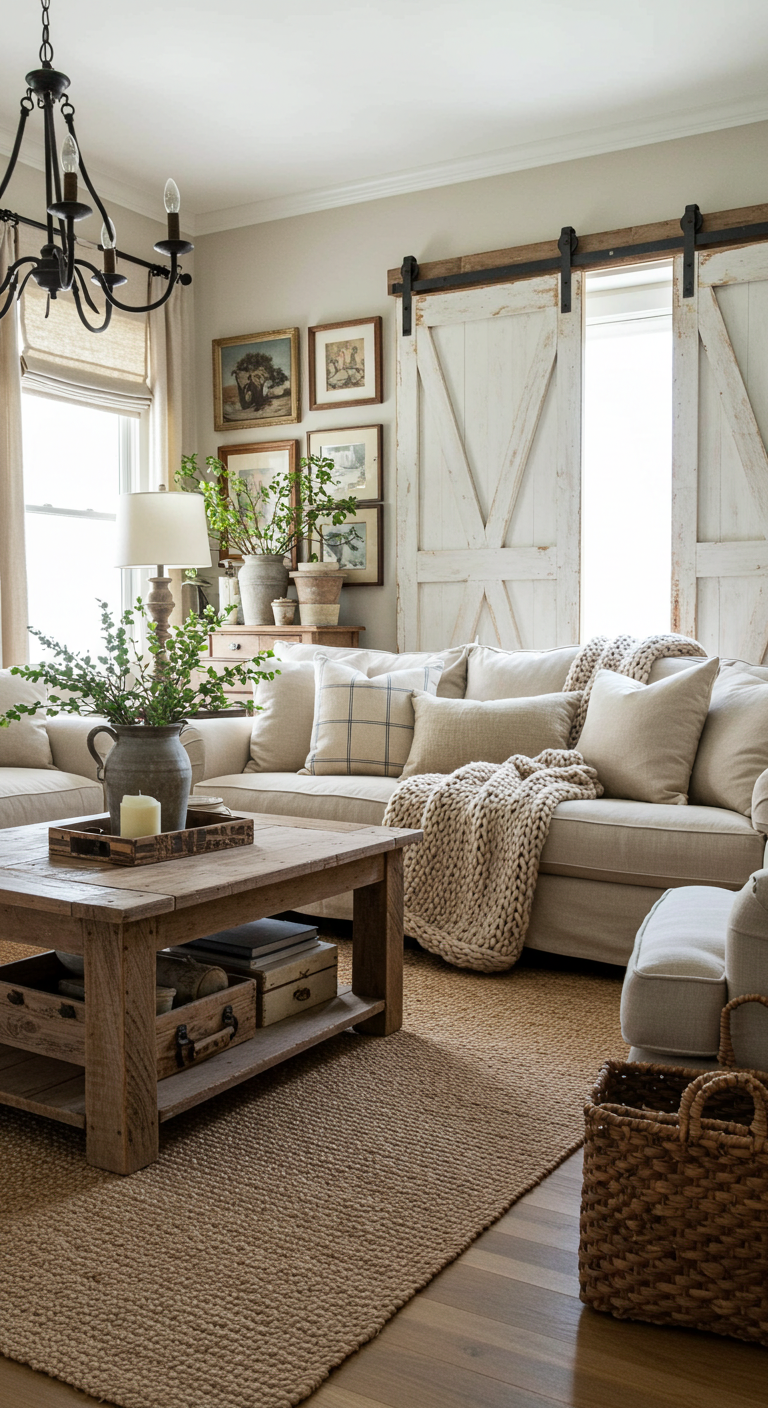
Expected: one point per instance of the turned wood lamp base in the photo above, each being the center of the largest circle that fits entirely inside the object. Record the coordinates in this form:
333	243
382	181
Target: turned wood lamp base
160	603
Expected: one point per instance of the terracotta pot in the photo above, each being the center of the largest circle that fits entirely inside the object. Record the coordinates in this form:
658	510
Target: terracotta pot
318	591
284	610
148	759
262	578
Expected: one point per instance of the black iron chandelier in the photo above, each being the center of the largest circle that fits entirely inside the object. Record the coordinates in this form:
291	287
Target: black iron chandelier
58	269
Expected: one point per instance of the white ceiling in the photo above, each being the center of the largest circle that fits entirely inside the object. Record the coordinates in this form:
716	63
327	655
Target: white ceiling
264	109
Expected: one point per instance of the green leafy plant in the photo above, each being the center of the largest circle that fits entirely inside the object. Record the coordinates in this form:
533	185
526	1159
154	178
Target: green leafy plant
269	518
164	686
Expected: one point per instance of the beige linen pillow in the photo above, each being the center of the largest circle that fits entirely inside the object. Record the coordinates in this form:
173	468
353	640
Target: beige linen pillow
453	680
282	729
517	674
451	732
642	738
733	750
364	726
23	744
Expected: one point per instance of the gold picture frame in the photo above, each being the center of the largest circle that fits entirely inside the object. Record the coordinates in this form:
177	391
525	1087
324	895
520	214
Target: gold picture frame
256	380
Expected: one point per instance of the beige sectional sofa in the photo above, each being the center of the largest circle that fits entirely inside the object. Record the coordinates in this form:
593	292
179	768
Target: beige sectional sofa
605	862
604	865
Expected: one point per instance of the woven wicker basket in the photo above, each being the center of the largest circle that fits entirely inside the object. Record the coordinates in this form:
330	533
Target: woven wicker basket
674	1212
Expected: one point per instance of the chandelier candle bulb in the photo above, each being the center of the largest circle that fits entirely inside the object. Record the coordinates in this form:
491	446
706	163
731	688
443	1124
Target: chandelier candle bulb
139	816
172	201
70	157
108	242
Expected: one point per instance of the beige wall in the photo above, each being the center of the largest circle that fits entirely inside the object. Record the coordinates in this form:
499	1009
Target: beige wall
332	264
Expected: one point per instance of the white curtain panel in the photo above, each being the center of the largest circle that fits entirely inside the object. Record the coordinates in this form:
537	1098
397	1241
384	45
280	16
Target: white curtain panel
171	416
13	565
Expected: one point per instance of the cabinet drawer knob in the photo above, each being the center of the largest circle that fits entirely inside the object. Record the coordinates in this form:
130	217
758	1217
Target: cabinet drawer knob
234	645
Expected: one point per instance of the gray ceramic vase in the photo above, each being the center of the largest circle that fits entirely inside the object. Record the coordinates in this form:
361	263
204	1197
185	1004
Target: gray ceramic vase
149	759
262	578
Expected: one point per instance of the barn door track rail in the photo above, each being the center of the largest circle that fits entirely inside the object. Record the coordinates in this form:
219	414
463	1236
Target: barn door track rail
694	237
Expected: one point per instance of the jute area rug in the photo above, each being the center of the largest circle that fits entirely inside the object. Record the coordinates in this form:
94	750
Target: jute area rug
288	1220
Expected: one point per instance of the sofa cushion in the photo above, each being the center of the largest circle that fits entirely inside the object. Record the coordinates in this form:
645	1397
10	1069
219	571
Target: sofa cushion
451	732
733	749
642	738
282	726
516	674
382	662
24	743
675	988
43	794
639	843
357	799
364	725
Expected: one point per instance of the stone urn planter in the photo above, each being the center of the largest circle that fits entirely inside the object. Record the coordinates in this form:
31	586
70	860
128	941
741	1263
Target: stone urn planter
262	577
318	587
149	759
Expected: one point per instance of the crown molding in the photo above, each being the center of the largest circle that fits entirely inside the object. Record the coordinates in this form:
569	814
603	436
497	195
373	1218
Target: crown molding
544	152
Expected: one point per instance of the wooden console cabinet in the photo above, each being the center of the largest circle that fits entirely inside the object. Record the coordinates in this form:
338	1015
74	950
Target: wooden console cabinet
232	643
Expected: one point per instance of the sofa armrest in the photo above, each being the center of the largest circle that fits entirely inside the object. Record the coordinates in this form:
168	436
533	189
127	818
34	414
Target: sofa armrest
760	803
67	734
227	745
746	970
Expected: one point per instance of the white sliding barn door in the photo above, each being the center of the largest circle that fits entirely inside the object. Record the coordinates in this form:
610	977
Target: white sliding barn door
489	467
720	465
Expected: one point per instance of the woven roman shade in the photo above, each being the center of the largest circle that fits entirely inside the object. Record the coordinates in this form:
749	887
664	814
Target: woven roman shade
60	358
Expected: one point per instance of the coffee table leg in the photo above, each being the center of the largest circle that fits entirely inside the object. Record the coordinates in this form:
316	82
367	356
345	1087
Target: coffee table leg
377	946
120	1056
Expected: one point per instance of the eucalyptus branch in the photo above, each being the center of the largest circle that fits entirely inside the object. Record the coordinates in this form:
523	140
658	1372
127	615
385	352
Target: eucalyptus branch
126	686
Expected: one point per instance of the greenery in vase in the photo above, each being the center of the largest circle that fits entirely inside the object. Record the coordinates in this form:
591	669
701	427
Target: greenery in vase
126	686
266	519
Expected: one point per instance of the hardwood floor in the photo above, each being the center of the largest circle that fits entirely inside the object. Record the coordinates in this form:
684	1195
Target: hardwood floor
503	1327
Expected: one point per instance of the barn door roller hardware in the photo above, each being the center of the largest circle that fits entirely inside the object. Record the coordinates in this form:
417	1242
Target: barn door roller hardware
568	243
692	238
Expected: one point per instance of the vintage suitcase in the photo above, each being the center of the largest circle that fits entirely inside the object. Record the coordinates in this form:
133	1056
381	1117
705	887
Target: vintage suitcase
289	985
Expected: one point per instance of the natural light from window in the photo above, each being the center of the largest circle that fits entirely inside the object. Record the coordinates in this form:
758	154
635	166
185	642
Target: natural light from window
72	456
626	506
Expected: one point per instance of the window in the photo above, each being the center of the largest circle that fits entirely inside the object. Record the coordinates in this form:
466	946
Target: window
626	505
76	461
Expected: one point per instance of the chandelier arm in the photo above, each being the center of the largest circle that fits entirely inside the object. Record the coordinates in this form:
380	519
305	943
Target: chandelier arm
84	289
81	314
13	270
25	111
70	121
173	279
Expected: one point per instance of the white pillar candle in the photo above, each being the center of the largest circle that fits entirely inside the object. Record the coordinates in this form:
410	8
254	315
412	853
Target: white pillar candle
139	816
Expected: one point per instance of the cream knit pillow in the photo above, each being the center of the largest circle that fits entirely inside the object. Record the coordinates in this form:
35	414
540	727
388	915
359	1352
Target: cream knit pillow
363	725
642	738
451	732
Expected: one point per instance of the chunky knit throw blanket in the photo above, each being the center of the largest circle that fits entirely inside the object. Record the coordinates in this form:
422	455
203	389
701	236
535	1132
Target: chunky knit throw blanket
469	886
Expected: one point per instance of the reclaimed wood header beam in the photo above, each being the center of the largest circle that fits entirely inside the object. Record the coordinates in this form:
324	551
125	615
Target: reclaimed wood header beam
603	244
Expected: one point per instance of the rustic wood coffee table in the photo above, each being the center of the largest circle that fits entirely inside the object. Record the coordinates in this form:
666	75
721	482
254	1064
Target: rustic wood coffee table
119	918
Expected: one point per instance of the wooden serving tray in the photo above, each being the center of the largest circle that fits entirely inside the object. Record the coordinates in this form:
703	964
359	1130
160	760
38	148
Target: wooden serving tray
93	840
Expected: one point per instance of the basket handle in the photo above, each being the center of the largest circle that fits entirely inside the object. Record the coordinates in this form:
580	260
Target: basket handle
726	1055
696	1094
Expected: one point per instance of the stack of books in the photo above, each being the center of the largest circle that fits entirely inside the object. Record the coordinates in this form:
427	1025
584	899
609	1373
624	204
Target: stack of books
244	949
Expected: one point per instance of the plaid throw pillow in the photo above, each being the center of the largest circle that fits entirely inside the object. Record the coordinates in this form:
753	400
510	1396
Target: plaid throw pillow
363	725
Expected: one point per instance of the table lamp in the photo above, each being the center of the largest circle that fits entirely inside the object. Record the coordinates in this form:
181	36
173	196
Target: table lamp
163	529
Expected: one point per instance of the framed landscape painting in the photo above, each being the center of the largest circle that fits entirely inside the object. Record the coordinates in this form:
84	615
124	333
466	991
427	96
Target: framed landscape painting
345	364
256	380
357	547
356	455
256	465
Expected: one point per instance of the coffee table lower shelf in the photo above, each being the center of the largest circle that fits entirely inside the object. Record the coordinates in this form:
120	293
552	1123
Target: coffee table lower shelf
56	1089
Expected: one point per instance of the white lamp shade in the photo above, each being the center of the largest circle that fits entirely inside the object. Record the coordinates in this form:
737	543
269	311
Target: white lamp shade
167	528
